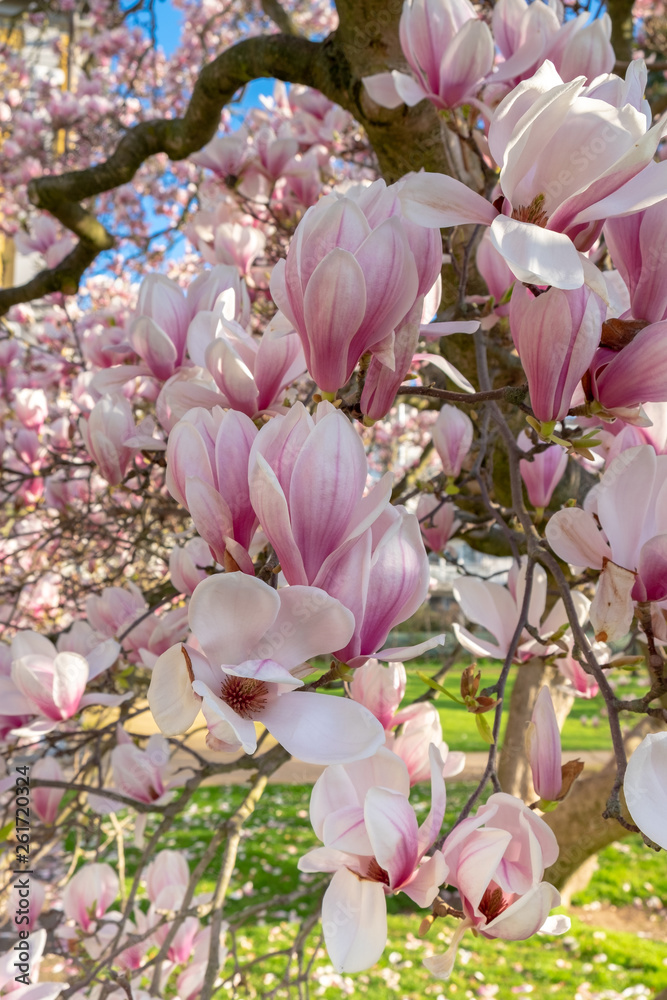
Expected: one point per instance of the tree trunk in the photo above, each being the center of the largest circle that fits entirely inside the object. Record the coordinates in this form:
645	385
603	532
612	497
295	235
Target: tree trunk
577	822
514	770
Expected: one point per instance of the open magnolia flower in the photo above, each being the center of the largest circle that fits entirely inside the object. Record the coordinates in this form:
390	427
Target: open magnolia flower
375	847
622	530
50	685
496	860
255	641
570	158
498	609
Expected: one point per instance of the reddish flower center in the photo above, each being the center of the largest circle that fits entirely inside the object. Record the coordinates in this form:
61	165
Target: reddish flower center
244	695
532	213
374	873
494	901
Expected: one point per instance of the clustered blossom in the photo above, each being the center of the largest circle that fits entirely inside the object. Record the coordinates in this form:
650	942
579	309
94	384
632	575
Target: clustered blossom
236	400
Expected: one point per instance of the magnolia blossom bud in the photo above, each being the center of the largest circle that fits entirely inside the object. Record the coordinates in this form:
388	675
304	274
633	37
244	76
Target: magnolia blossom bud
555	335
543	473
452	437
109	425
437	520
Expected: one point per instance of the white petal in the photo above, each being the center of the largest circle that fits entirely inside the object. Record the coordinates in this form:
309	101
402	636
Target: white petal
322	729
354	921
645	787
170	696
537	255
230	614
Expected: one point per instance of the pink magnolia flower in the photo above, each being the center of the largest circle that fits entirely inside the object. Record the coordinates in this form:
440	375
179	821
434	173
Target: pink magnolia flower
542	474
437	520
307	478
167	868
115	608
622	530
497	609
188	564
47	800
645	787
253	375
556	335
207	472
381	689
543	746
373	843
637	247
105	433
416	727
31	407
496	860
569	160
349	278
582	685
53	683
254	641
452	437
138	774
101	653
158	329
89	894
191	980
383	577
449	49
222	283
637	374
527	34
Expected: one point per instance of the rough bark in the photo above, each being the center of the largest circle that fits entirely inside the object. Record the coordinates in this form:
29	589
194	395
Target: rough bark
620	12
514	771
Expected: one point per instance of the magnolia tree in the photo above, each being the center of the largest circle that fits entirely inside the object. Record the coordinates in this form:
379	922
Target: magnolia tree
230	438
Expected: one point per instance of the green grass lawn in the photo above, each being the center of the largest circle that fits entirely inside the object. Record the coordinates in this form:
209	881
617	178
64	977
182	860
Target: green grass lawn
585	728
279	832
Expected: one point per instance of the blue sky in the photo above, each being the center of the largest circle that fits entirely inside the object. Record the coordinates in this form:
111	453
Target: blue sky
169	22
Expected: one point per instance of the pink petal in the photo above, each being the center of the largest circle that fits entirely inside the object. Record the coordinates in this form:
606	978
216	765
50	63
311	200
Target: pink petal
334	305
644	787
652	570
270	504
392	830
170	696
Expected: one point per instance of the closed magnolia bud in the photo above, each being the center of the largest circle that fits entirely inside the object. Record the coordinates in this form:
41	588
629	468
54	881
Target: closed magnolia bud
452	437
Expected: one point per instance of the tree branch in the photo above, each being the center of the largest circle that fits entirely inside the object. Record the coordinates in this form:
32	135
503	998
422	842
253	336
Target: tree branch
284	57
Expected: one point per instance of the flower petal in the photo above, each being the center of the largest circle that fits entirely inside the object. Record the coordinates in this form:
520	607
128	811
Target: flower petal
645	787
230	613
171	699
354	921
322	729
537	255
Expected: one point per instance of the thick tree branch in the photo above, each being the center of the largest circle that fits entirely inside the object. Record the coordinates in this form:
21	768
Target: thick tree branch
284	57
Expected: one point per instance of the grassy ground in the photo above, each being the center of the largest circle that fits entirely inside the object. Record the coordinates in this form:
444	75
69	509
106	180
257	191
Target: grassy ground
584	729
279	832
